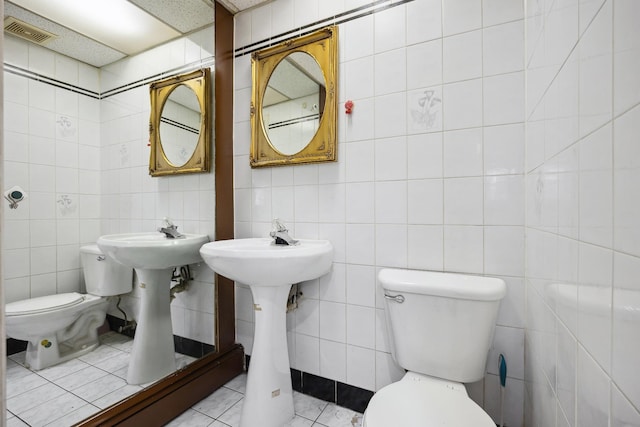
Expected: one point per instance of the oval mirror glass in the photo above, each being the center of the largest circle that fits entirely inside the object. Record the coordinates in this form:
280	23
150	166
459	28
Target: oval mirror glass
180	123
293	103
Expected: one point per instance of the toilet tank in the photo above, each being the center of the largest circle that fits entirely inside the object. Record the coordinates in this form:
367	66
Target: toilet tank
102	275
441	324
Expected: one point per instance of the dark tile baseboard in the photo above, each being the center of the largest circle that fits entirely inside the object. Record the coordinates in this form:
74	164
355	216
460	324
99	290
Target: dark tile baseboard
182	345
341	394
15	346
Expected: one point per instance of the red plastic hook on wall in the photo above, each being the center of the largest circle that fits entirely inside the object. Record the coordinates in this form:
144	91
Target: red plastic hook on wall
348	107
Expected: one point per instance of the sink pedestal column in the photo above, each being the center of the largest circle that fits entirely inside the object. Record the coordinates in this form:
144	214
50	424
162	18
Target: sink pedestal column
268	400
153	355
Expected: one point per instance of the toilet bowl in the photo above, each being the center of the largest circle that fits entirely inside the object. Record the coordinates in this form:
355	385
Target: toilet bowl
440	328
64	326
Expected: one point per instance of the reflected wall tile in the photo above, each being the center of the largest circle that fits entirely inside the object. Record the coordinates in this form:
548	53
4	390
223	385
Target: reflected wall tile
463	153
626	57
390	71
596	72
359	75
390	159
387	370
463	249
504	200
358	38
360	326
462	104
462	56
390	115
622	412
390	29
360	202
307	354
594	310
501	11
504	251
333	364
561	31
512	308
360	285
596	188
424	21
513	400
391	245
391	202
626	348
360	365
566	378
503	48
424	64
425	201
425	247
333	321
503	99
463	201
424	153
592	392
626	176
461	15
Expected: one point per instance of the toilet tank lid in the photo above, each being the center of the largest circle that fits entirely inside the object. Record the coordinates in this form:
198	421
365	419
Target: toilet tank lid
449	285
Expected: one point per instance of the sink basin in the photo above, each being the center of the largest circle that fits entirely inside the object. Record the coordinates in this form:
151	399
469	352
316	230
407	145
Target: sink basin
152	250
153	256
269	270
259	262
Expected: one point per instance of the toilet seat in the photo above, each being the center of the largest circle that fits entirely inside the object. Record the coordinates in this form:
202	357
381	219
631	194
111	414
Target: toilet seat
43	304
420	401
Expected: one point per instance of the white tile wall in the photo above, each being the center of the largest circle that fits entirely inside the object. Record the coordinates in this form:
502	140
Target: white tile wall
581	213
83	162
439	189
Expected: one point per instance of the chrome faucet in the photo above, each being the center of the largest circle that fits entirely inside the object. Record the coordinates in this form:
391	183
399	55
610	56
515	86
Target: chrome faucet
280	234
170	230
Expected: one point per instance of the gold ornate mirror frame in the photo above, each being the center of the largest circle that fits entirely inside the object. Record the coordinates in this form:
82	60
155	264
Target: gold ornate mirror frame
159	164
322	46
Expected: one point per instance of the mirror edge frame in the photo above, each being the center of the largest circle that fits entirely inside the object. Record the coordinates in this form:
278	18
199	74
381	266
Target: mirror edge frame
323	146
199	82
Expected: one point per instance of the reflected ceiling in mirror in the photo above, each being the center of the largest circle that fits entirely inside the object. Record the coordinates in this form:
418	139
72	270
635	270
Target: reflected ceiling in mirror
293	107
293	103
179	125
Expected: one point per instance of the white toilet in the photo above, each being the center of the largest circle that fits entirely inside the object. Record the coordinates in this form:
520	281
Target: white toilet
440	327
63	326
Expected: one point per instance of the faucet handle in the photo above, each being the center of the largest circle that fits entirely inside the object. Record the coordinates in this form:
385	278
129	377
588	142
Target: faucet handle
276	225
167	222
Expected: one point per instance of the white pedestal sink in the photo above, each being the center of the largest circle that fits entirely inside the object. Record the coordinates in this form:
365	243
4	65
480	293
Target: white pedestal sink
154	257
269	270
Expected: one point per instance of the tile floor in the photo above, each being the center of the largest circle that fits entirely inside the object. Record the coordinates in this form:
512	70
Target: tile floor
67	393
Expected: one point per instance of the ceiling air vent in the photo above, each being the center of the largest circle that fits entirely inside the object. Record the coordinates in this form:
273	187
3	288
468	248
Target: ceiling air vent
26	31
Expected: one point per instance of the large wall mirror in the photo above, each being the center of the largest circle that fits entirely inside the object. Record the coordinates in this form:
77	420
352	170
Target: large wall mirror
293	101
179	125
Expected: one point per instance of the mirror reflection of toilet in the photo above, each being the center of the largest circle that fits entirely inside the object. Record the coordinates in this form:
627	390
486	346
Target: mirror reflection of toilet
64	326
440	327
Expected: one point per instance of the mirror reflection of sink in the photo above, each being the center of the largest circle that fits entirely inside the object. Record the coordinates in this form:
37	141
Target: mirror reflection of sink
269	270
152	250
153	256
